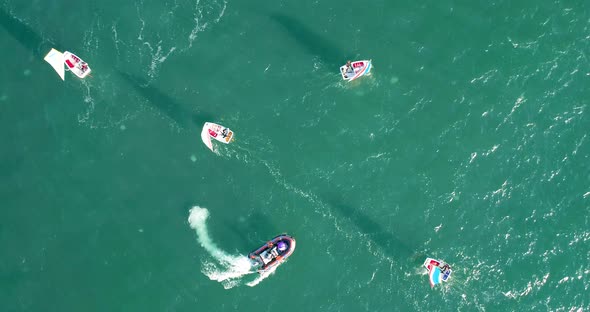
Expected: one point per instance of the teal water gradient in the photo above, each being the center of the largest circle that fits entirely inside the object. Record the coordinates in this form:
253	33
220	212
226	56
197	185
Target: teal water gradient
467	143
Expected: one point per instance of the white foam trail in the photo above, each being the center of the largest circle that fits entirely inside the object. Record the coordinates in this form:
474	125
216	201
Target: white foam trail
197	219
229	268
261	277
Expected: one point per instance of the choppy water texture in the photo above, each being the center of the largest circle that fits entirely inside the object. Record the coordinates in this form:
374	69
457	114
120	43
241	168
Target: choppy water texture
468	143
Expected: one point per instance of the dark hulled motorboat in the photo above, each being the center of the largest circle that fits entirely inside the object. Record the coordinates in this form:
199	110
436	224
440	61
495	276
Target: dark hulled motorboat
273	253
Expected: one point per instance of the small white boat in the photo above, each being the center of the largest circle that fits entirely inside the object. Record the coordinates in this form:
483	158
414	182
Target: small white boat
438	271
73	63
218	132
76	65
353	70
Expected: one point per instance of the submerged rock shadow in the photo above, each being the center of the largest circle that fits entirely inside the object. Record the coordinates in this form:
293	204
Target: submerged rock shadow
329	53
24	34
167	105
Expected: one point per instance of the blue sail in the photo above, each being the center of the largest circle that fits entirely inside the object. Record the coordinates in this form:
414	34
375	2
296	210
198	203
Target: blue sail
435	276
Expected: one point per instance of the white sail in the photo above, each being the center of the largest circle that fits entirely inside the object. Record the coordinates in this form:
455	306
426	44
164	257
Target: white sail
56	60
206	137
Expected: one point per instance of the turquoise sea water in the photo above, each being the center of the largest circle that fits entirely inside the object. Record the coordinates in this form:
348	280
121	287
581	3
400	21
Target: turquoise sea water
467	143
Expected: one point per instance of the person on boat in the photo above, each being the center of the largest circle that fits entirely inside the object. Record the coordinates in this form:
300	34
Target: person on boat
282	246
349	68
445	267
224	132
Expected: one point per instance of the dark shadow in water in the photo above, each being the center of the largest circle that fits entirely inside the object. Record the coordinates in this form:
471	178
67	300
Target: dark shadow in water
314	43
24	34
391	244
167	105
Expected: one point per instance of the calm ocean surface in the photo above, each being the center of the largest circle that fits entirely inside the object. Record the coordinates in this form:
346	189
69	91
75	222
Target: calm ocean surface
467	143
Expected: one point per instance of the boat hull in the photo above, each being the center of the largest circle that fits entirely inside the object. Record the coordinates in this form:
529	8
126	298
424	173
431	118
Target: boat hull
76	65
217	132
438	271
263	257
358	69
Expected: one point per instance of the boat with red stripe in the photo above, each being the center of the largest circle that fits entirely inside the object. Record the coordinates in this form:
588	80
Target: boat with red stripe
76	65
72	63
353	70
273	253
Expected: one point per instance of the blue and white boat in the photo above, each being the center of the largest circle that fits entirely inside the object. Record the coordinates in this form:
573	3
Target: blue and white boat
438	271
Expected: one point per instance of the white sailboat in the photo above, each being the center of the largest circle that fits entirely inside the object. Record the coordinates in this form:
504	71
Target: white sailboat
218	132
73	63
